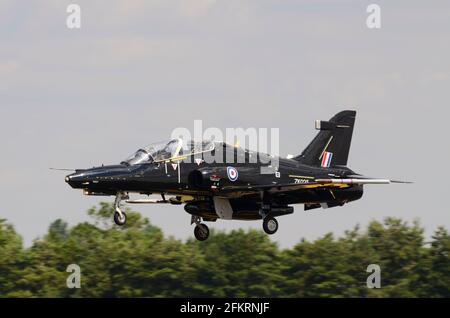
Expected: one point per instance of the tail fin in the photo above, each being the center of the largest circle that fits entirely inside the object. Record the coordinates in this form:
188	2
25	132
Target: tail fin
332	144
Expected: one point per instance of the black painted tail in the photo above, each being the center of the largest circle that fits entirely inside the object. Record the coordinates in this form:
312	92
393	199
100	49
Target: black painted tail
333	141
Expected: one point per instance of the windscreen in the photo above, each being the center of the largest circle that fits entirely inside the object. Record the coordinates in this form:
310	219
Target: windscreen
157	151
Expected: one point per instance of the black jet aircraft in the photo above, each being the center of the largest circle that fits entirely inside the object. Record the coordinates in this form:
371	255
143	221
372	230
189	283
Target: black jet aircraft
180	172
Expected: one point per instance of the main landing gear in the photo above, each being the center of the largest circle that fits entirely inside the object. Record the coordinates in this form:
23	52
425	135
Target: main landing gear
120	218
201	230
270	224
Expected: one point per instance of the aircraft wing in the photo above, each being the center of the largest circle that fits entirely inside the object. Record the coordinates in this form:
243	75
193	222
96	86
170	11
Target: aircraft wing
146	201
172	200
280	187
317	183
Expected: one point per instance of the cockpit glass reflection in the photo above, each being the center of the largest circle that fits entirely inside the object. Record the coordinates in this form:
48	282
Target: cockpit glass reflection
157	151
165	150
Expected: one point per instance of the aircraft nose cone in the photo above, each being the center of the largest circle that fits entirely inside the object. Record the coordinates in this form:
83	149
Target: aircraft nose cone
96	177
75	179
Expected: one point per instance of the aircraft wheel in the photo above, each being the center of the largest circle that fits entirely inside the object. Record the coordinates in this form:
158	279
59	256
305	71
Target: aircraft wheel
270	225
201	232
120	220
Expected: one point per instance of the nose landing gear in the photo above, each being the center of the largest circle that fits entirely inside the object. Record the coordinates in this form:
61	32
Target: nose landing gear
201	230
120	218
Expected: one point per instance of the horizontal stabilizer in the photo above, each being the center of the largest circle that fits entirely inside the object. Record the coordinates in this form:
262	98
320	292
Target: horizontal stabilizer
399	181
358	181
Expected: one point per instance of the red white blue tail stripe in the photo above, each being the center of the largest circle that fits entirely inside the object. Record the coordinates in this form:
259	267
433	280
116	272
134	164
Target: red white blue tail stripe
326	159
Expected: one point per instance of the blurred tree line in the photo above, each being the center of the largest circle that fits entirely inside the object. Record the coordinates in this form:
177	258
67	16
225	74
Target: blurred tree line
138	261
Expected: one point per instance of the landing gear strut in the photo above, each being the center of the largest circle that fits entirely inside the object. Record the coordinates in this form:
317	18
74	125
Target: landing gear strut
201	230
270	224
120	218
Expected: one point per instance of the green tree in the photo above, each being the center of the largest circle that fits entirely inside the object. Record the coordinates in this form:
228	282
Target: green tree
337	268
239	264
323	268
137	260
439	273
130	261
399	250
11	259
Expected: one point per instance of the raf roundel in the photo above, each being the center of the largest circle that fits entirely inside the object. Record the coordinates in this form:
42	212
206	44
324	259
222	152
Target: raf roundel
232	173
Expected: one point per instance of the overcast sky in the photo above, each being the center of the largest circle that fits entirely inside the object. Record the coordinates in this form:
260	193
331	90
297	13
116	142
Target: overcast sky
138	69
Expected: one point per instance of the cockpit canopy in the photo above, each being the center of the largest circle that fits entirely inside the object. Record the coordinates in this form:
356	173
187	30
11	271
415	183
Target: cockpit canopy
166	150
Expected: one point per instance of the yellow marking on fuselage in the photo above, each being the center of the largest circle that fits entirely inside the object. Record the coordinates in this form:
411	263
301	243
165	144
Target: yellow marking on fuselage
332	193
177	159
330	185
300	177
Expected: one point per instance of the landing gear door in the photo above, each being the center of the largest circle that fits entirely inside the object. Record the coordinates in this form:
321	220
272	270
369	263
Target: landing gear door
223	208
